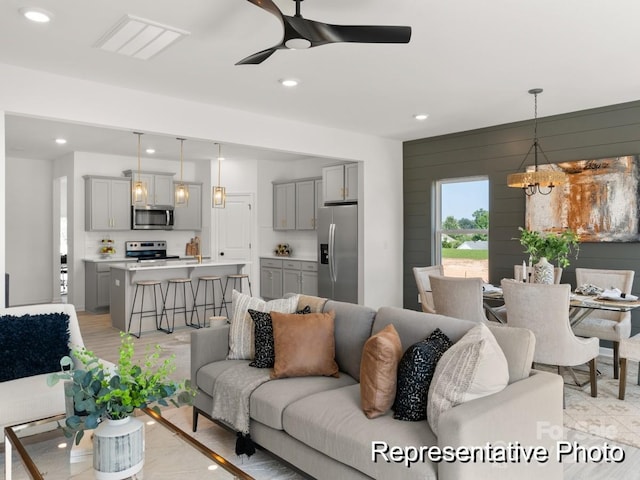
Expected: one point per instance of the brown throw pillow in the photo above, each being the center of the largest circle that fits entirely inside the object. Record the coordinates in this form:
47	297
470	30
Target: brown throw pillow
379	371
304	345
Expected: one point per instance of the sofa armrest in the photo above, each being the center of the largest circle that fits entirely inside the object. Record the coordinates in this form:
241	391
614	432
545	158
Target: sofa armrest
208	345
528	412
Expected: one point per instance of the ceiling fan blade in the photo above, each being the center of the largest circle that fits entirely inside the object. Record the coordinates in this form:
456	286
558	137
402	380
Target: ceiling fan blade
368	33
270	7
259	57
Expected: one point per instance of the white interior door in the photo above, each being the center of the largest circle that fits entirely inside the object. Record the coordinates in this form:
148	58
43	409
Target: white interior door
234	228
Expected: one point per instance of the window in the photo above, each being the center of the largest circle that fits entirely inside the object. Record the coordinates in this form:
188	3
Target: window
462	227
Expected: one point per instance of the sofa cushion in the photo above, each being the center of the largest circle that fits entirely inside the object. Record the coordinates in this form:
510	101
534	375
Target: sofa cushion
206	376
379	371
32	344
264	354
415	372
241	341
269	400
472	368
304	345
352	329
339	429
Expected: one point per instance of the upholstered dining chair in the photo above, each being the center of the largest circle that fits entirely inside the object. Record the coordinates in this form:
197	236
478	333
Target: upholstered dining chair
544	309
517	273
501	312
604	324
458	297
421	275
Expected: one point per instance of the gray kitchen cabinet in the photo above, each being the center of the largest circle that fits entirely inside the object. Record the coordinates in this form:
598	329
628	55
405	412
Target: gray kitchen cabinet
270	278
340	183
284	206
305	205
278	277
291	276
159	186
107	203
97	277
189	216
319	201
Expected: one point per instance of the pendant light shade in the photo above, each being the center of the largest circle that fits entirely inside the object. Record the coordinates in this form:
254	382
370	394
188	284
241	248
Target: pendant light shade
139	188
181	190
219	194
536	181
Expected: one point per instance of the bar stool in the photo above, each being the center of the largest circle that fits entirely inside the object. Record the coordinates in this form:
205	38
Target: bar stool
235	277
152	313
212	304
181	309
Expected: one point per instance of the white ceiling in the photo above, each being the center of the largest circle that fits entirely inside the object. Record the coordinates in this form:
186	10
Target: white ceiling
469	63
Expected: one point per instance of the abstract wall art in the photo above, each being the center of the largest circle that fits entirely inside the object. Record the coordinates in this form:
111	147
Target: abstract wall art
599	201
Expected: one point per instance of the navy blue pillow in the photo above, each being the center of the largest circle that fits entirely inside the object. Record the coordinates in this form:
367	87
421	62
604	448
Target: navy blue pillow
32	344
415	372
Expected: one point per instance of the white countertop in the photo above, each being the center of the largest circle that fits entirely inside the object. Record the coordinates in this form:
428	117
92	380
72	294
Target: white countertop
108	259
171	264
299	259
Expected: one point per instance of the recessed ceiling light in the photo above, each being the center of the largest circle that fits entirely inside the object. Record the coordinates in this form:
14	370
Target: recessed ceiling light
289	82
150	150
61	141
421	116
37	15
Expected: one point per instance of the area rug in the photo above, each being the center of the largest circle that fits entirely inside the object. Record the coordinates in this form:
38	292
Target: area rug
605	416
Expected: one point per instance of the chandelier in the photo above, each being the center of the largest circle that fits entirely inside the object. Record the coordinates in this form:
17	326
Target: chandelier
536	181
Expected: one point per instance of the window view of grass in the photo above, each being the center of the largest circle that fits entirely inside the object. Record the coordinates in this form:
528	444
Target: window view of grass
464	228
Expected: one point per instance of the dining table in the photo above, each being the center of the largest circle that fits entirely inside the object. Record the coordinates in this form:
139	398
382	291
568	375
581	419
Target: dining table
580	306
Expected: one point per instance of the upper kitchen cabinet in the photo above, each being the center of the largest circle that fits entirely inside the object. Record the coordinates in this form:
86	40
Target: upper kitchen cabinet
159	187
189	216
107	203
284	206
340	183
305	205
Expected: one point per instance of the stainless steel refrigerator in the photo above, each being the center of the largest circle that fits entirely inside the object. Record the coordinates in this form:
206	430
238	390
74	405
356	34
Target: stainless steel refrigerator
338	253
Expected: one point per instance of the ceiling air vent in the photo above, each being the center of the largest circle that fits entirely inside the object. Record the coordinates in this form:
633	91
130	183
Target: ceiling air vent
139	38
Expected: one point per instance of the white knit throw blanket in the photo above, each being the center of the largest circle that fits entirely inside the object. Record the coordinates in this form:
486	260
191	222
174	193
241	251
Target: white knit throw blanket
231	393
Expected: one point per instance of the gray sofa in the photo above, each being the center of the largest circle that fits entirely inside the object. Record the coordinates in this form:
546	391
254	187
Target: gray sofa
317	424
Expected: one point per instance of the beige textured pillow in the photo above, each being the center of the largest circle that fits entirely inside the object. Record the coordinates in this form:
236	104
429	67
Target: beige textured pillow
241	330
304	345
379	371
473	367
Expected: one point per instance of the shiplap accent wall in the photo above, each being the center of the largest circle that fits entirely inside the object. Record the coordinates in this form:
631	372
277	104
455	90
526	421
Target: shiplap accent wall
497	151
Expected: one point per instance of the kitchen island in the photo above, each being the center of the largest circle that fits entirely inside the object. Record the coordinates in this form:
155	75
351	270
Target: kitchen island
124	276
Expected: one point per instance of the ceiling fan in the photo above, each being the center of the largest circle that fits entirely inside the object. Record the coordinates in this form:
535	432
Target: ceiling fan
300	33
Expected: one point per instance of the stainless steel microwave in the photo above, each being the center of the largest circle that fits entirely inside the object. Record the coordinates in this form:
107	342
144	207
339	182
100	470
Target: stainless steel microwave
152	217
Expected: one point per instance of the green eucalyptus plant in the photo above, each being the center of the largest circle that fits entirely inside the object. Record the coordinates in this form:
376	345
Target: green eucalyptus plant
101	391
553	246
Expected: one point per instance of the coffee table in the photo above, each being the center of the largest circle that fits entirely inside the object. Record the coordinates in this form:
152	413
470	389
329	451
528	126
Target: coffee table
170	453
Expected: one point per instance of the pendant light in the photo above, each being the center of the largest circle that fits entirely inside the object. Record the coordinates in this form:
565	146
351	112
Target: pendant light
536	181
219	196
139	188
181	190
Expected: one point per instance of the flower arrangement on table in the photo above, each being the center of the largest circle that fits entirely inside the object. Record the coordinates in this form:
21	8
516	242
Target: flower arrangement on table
101	391
552	246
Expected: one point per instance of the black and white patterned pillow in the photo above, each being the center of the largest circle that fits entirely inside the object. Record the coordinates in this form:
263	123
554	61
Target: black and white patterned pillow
415	372
263	336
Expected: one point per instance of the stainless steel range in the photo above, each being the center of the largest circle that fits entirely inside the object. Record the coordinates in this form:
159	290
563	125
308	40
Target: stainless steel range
147	250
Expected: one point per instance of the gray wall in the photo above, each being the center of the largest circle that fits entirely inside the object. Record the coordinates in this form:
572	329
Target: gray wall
497	151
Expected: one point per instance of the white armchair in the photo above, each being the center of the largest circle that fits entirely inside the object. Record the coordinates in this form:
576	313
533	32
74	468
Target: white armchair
606	325
458	297
544	309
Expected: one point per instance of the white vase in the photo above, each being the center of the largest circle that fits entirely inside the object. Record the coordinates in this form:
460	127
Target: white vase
118	448
543	272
